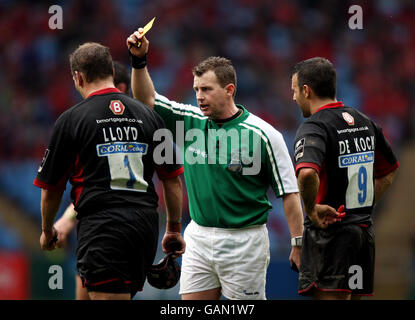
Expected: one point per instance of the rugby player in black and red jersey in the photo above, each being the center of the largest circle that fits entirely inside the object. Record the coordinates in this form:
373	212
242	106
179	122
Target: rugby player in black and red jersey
344	164
67	222
104	145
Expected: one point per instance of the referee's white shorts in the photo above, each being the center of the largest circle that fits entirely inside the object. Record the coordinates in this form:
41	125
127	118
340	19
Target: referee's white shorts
235	260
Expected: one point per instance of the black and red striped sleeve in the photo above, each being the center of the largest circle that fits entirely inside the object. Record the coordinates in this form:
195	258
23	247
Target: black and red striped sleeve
57	163
309	146
163	174
171	167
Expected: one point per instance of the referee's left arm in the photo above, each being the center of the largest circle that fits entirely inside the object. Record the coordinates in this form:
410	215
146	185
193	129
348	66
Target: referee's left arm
293	213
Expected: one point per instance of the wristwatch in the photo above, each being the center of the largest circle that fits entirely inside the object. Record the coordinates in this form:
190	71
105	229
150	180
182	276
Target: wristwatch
297	241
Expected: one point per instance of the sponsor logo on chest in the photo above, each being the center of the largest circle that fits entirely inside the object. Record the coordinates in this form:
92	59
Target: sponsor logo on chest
348	118
117	107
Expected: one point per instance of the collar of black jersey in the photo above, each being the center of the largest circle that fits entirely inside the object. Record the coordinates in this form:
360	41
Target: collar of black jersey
240	116
104	91
337	104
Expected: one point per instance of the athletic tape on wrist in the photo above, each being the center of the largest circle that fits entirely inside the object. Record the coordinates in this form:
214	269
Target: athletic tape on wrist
138	62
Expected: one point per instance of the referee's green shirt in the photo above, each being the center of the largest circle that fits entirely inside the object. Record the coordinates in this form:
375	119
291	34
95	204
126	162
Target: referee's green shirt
228	171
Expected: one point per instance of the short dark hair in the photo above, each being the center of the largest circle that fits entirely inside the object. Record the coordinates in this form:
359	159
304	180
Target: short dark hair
222	67
93	60
318	73
121	74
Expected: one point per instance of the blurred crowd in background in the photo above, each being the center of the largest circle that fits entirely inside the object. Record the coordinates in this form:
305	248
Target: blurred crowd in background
264	39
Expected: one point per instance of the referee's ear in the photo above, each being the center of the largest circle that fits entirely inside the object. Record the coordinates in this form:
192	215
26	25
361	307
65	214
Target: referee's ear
230	90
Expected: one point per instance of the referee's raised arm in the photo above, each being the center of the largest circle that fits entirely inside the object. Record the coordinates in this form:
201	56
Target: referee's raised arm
141	84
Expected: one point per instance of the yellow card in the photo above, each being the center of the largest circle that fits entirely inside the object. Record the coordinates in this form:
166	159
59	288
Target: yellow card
146	28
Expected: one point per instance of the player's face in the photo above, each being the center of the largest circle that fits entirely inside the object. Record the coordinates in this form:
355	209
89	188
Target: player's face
211	97
298	96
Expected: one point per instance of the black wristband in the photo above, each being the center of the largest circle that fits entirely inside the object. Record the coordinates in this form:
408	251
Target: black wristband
138	62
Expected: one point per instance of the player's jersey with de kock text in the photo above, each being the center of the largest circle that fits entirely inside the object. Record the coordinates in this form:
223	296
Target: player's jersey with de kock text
104	145
348	150
228	167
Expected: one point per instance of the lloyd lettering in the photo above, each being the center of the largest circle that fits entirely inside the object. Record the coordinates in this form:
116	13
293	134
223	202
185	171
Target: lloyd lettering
120	134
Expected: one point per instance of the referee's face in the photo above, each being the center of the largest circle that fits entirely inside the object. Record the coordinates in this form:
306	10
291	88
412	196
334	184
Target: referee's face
212	99
298	97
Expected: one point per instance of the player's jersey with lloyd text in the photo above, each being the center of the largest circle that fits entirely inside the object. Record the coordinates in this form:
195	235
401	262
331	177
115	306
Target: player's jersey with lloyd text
348	150
104	146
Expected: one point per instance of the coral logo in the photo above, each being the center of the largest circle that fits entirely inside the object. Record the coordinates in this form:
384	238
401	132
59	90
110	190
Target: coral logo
117	107
121	147
356	158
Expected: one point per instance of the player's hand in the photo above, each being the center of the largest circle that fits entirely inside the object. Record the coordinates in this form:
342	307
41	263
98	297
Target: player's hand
63	226
295	256
173	241
324	215
137	44
48	239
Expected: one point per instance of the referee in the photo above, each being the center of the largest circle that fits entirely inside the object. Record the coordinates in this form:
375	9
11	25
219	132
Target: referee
227	244
104	146
343	163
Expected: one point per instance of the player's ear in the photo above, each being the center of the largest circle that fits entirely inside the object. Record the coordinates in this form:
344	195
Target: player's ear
79	79
306	91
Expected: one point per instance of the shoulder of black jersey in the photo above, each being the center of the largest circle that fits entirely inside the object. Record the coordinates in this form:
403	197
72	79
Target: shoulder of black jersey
315	119
313	126
111	95
147	109
328	115
324	114
360	113
131	100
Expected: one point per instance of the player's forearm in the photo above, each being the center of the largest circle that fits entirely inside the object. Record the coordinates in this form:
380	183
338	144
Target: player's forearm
142	86
293	213
308	183
382	184
50	202
173	197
